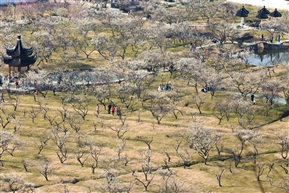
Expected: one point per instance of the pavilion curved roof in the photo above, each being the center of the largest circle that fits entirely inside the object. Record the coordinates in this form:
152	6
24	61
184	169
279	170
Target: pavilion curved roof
19	62
275	13
264	11
19	56
19	50
242	12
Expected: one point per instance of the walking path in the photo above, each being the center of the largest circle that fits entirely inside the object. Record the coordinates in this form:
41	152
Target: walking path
279	4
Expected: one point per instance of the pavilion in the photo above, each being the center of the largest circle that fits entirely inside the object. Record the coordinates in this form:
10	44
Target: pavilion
18	57
279	4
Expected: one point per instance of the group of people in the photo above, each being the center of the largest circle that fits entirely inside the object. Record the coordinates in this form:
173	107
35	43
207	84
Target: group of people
166	87
155	67
278	38
207	89
112	108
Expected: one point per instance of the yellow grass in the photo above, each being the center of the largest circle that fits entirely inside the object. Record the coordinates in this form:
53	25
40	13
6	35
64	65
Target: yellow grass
198	176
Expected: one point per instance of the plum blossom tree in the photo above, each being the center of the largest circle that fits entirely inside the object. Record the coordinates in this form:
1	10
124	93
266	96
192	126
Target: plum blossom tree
245	83
127	94
84	43
42	141
190	69
222	30
221	110
205	9
166	15
146	170
81	152
201	139
60	140
8	144
270	89
212	79
105	47
158	105
244	110
102	94
243	136
112	184
155	58
129	35
284	142
44	169
95	152
280	26
14	183
138	76
173	184
157	34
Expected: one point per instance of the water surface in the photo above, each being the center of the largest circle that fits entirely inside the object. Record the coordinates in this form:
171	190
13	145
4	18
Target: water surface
269	58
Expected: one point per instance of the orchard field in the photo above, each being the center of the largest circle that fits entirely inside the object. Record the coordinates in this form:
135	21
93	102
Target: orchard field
187	121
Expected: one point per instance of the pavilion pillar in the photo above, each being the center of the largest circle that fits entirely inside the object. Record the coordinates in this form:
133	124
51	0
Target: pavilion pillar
19	72
9	71
242	21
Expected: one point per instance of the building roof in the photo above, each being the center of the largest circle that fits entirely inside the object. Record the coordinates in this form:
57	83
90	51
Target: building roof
19	55
279	4
19	50
275	13
20	62
242	12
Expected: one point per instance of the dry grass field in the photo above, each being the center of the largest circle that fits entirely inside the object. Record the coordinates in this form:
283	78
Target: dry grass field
97	132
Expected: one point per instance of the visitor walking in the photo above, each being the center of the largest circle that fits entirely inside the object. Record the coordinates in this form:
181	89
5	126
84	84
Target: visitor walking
108	108
97	109
278	38
191	47
112	110
160	88
271	39
171	67
253	99
118	112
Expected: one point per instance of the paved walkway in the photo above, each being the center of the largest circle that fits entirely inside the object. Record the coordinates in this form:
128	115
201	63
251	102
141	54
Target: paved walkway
272	4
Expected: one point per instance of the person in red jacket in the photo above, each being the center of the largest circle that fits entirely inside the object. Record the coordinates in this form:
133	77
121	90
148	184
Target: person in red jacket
112	110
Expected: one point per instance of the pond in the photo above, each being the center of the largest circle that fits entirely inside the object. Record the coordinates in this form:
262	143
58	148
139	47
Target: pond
269	58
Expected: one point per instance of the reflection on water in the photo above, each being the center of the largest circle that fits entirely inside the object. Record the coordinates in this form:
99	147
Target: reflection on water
269	58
